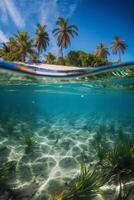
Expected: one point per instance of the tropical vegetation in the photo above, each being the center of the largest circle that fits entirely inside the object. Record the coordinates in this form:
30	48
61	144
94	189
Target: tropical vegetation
102	51
50	58
63	32
118	46
81	59
22	44
42	38
21	47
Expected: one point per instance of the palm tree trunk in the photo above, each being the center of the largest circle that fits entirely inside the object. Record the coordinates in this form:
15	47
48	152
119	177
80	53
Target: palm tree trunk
119	57
23	57
62	52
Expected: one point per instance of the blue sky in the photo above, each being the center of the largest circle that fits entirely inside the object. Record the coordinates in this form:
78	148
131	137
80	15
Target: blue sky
97	20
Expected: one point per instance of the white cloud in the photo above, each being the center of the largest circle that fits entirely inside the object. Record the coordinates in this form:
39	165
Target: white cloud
72	9
67	9
14	13
49	11
3	37
3	12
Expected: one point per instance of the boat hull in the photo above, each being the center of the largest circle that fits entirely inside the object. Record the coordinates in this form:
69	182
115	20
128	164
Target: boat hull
59	72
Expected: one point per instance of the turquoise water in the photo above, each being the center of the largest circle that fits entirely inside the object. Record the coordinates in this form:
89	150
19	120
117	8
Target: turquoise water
62	118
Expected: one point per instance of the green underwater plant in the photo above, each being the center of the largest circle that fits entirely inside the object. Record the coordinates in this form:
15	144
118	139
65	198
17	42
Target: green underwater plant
115	155
117	164
100	143
85	186
101	152
127	139
31	141
100	136
6	170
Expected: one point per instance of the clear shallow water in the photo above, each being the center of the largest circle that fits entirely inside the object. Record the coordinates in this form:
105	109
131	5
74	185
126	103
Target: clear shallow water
63	117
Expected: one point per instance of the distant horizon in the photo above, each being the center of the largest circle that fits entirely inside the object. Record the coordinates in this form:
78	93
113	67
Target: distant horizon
97	20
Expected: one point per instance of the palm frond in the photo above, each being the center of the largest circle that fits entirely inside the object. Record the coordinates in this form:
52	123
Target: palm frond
64	32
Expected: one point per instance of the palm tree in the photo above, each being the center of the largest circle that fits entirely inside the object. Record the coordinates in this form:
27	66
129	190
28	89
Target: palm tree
42	38
23	44
102	51
64	32
12	44
4	49
118	46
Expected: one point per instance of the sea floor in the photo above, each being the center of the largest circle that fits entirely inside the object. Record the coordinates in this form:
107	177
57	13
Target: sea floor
44	168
